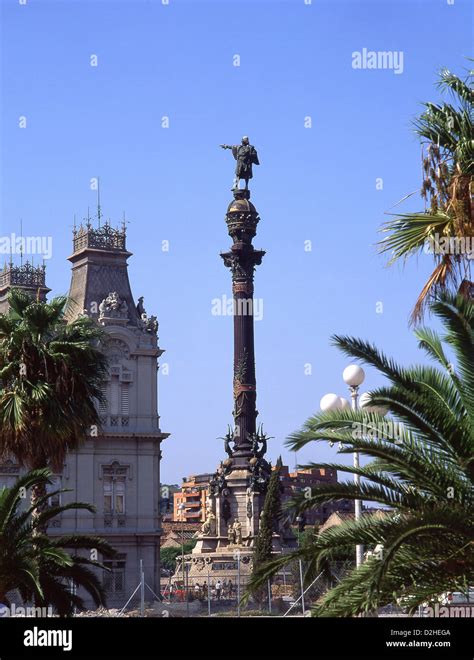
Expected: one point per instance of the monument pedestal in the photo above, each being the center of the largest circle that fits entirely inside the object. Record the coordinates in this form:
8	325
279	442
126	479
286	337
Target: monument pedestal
226	542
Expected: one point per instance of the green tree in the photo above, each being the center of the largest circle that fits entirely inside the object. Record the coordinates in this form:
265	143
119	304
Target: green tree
51	374
41	568
421	468
447	135
271	514
168	555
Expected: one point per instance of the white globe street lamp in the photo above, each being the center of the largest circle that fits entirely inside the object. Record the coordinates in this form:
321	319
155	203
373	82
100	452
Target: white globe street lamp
330	402
345	405
353	376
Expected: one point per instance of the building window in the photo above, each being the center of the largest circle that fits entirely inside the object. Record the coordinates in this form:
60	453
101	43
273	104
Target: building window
114	395
114	494
114	480
116	398
114	579
125	398
103	404
56	484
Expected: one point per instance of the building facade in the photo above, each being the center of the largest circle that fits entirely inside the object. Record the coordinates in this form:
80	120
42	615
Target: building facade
190	502
301	480
117	468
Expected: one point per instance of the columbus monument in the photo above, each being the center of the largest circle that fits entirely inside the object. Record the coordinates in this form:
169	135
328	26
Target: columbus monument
237	490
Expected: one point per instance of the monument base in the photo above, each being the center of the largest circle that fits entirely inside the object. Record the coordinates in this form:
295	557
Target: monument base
225	545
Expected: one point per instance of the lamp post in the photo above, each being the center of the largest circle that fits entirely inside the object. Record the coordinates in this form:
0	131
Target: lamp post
237	558
182	508
353	376
208	591
300	520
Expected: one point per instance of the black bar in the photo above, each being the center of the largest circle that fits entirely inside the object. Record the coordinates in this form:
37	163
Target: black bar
268	636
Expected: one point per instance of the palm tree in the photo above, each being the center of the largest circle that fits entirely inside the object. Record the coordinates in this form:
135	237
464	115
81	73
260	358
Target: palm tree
38	566
446	227
51	375
421	469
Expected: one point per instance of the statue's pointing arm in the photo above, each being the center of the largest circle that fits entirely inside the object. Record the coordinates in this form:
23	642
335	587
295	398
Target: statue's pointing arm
228	146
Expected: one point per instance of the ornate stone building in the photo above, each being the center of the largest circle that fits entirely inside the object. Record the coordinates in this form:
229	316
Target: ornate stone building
119	470
118	467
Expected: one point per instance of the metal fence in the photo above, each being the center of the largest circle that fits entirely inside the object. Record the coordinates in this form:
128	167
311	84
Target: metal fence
129	592
128	589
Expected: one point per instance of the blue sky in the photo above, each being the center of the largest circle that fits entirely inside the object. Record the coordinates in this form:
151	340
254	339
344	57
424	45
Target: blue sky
314	184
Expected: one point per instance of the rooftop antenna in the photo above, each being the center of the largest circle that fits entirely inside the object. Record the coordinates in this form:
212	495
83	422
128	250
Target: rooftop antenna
124	223
21	242
88	219
99	214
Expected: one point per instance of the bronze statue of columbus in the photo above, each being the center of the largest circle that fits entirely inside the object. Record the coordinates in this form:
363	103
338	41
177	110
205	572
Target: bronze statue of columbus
246	155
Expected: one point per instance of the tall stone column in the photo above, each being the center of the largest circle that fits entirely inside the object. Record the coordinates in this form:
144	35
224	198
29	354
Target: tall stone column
237	490
242	258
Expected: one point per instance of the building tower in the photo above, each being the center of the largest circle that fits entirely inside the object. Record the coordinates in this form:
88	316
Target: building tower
237	490
30	279
118	467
